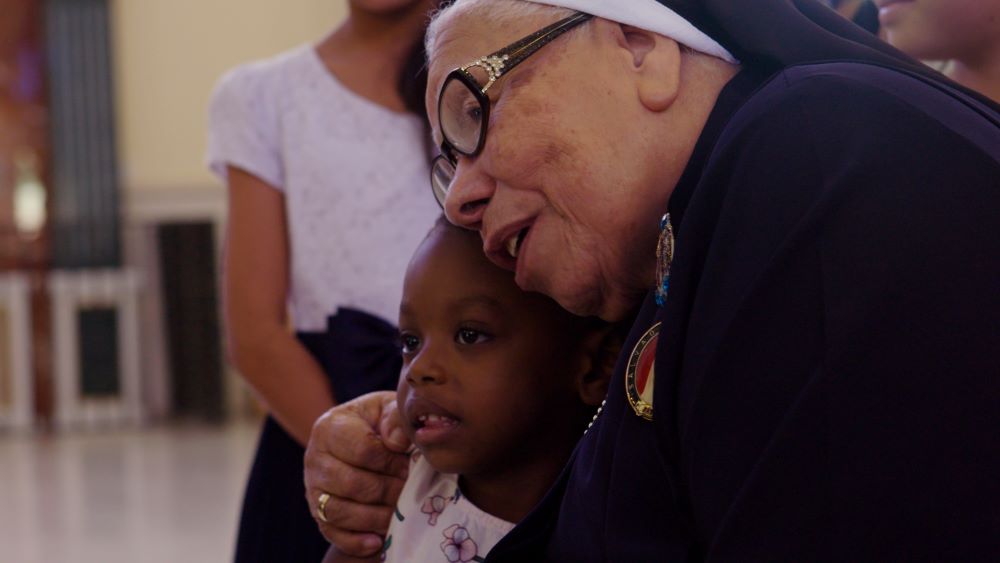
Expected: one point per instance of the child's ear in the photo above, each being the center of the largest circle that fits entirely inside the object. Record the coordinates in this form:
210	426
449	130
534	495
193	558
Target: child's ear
602	346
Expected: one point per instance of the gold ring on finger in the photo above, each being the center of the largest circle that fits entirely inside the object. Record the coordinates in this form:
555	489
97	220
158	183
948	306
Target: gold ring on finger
321	507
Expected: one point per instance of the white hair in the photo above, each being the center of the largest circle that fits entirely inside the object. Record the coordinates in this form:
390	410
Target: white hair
497	12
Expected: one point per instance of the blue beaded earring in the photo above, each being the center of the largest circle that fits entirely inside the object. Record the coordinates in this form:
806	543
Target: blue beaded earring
664	256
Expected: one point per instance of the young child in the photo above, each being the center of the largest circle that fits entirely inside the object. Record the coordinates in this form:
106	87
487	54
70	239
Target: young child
497	386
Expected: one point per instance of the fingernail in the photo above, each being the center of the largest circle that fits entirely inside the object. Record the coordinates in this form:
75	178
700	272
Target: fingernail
372	542
397	437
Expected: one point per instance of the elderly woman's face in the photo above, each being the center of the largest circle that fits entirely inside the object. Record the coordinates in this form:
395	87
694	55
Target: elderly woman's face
556	191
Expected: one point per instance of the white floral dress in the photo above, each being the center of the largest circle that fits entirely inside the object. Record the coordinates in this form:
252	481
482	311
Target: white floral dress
435	522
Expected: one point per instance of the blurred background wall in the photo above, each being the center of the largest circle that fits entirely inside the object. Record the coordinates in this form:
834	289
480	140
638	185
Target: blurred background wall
168	54
120	437
109	222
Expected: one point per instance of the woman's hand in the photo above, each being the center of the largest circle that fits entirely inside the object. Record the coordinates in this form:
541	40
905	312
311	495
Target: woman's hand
357	456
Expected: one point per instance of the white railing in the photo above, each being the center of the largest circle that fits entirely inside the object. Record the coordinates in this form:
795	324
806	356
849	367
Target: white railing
16	381
71	292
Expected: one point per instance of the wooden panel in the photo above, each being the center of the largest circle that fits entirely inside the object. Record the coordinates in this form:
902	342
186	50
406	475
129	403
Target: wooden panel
187	263
100	372
24	135
6	373
24	142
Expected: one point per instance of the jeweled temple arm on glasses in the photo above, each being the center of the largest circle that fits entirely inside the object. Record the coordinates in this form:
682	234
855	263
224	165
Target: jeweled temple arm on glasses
500	62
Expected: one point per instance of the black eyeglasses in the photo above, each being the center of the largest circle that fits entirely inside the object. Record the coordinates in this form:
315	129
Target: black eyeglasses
464	108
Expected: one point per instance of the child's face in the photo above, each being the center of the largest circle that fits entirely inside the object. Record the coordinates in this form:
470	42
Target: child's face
941	29
487	376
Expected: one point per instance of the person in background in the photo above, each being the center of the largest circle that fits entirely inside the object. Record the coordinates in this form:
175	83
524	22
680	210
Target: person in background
964	33
863	13
497	387
321	227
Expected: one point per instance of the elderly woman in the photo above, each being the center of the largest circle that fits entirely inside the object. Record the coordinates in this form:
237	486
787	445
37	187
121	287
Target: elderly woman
802	223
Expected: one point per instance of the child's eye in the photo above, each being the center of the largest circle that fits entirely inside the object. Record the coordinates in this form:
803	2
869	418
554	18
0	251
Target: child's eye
408	343
470	336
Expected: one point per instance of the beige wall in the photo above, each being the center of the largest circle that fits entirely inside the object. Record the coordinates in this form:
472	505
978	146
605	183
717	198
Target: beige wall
168	55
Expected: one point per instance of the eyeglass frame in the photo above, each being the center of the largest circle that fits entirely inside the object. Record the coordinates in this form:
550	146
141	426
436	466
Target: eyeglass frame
496	66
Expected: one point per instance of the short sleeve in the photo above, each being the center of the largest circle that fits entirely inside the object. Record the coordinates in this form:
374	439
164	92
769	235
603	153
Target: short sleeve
243	126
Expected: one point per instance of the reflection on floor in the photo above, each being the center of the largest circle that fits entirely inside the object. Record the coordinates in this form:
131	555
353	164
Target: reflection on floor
140	496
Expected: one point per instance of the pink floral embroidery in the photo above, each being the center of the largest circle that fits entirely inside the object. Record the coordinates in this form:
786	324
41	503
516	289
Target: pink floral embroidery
458	546
433	506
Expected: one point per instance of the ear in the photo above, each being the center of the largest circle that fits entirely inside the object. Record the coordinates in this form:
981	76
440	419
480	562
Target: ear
601	347
654	61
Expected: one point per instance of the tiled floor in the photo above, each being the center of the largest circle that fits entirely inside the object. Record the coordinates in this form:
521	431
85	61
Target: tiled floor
142	496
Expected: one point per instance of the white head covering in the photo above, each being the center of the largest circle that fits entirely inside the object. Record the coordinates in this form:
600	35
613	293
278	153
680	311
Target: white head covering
651	16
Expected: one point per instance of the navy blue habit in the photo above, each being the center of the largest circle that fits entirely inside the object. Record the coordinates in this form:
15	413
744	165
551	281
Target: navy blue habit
827	377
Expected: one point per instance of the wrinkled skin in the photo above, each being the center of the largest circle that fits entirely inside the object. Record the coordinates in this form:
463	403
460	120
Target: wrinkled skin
363	472
591	206
585	141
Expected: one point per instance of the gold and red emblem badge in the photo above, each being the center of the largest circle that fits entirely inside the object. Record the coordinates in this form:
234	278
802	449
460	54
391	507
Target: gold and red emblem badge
640	372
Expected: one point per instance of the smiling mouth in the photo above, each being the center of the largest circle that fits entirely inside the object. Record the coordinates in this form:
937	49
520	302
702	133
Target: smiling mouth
513	244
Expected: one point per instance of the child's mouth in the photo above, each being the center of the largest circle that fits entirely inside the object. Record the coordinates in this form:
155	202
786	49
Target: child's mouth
433	429
432	421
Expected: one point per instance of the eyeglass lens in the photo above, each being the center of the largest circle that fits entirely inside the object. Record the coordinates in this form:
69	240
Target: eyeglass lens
442	173
461	116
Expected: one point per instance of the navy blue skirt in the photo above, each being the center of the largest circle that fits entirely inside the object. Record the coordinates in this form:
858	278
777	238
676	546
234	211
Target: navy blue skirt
359	354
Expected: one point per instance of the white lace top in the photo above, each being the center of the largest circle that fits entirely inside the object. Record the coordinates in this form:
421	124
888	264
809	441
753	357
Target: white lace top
354	175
